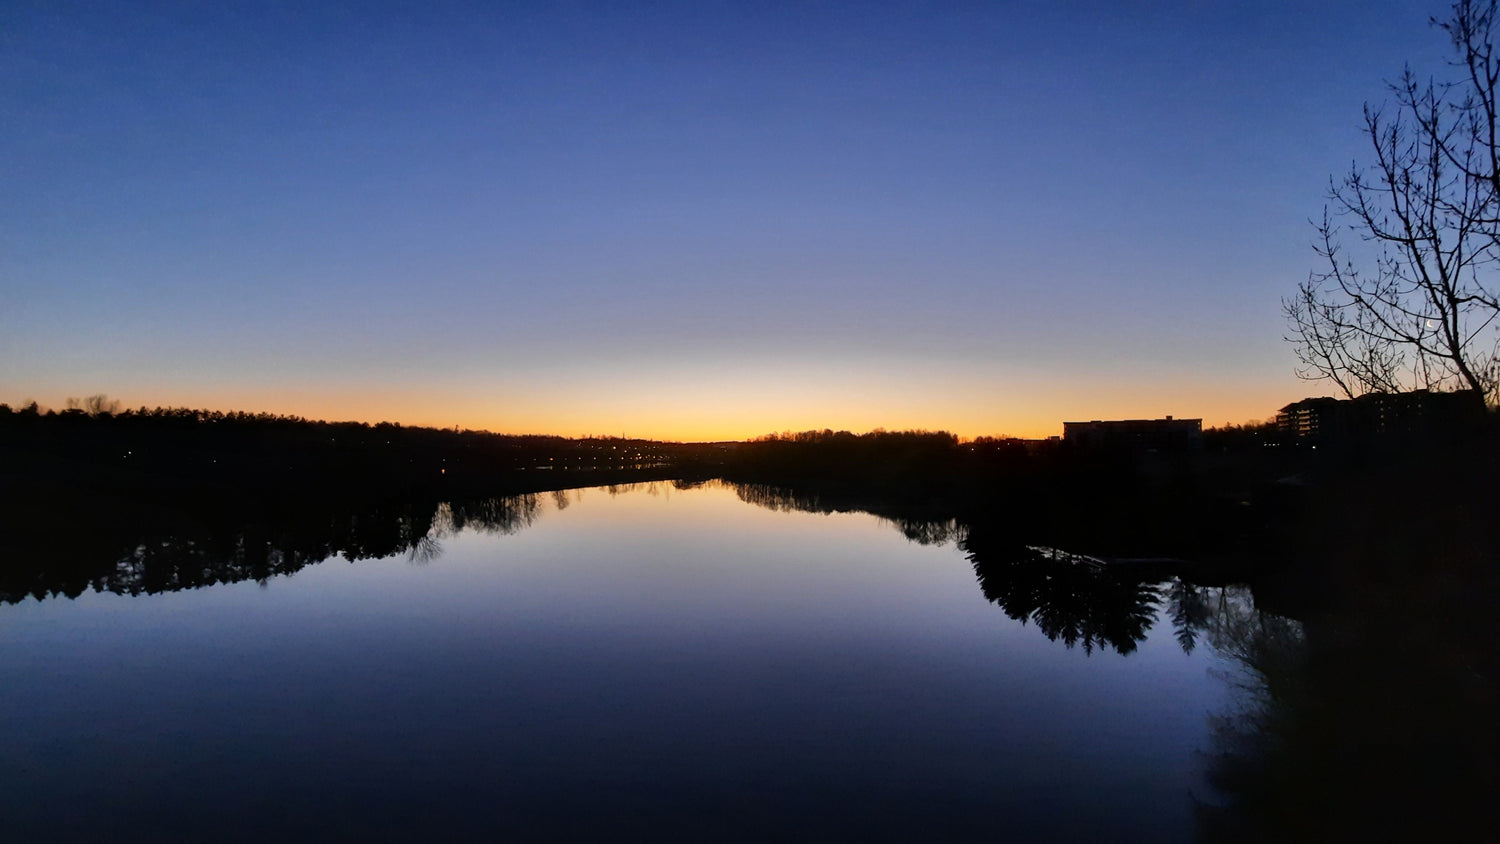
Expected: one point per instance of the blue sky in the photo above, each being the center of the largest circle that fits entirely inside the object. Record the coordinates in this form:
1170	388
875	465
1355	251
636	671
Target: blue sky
689	220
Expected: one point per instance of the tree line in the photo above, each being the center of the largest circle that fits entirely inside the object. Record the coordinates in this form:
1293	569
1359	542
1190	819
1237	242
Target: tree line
94	443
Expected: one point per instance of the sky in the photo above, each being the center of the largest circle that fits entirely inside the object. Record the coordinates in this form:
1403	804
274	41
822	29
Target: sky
690	221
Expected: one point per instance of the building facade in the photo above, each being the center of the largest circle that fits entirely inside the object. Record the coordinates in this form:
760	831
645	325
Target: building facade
1142	435
1420	414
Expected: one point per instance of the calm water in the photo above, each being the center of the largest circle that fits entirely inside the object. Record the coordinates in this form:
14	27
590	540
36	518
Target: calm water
657	663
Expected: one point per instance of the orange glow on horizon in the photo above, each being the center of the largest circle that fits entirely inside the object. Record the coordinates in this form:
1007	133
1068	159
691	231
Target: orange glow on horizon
674	419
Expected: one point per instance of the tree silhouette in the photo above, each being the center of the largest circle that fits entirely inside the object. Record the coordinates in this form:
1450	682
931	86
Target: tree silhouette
1418	306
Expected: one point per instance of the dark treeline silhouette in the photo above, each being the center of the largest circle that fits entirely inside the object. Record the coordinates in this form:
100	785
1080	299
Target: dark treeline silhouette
870	462
1120	503
181	447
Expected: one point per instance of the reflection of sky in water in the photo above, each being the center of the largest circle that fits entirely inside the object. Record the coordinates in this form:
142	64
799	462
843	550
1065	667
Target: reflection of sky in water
680	663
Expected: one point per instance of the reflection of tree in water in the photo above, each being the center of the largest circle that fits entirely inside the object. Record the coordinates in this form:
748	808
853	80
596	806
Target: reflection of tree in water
1373	721
927	531
1068	601
222	550
922	529
506	515
1191	611
781	499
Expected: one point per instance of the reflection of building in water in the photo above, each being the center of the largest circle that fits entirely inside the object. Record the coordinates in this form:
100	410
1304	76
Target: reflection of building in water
1135	434
1417	414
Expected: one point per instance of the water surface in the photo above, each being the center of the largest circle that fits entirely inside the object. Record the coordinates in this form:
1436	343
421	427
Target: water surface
662	662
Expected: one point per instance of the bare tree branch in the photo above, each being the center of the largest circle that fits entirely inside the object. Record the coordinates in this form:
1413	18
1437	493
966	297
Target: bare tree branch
1425	217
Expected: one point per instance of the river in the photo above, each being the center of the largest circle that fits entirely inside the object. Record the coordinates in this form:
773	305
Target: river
658	661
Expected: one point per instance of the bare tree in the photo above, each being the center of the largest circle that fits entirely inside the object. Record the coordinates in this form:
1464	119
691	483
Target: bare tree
101	405
1414	304
95	405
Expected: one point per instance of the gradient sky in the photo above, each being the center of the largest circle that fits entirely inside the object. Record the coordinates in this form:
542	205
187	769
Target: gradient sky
680	220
